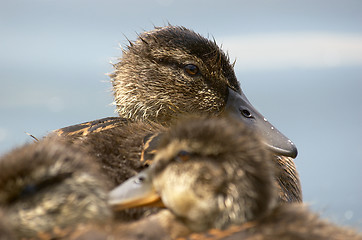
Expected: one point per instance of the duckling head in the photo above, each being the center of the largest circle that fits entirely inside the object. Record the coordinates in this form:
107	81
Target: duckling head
210	173
48	186
172	71
169	71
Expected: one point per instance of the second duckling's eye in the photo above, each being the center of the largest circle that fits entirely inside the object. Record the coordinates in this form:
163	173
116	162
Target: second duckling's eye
33	188
191	69
182	156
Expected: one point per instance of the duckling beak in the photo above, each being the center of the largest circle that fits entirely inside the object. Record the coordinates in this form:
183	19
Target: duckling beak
137	191
239	106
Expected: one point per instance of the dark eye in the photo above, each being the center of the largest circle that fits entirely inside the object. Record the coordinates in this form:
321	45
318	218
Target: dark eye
29	190
33	188
183	156
191	69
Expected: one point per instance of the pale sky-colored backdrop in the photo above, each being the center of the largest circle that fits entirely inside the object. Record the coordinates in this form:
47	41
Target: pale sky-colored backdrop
299	63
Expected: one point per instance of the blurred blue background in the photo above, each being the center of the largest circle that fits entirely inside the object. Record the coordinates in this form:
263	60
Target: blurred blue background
299	63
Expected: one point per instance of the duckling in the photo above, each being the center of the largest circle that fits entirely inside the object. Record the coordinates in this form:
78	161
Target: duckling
169	72
216	174
210	173
47	188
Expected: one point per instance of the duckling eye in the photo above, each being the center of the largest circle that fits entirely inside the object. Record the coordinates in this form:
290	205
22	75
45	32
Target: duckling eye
33	188
191	69
29	190
182	156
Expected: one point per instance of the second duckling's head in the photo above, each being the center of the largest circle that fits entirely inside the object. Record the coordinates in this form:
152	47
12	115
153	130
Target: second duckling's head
210	173
48	186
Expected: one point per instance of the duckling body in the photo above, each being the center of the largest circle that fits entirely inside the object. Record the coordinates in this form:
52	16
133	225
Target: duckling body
285	222
216	179
49	187
165	74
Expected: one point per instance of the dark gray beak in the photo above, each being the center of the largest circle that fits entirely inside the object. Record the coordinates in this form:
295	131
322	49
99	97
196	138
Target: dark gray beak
239	106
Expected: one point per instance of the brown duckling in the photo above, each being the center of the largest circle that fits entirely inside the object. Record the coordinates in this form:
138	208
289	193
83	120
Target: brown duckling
215	174
47	188
169	72
210	173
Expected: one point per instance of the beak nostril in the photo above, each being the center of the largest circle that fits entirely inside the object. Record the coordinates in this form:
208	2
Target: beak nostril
140	179
246	113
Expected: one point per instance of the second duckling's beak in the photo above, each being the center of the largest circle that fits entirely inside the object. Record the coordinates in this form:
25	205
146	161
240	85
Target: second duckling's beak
239	106
137	191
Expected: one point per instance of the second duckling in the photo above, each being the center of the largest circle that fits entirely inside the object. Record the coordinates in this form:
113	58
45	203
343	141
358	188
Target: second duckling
216	174
48	188
209	174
